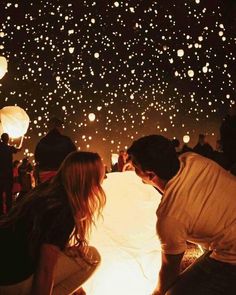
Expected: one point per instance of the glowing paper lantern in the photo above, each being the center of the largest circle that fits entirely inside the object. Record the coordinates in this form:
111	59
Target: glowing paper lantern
191	73
91	117
14	121
180	52
186	138
3	66
126	238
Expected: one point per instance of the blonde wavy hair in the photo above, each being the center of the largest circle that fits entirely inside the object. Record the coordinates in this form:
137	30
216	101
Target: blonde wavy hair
80	177
81	174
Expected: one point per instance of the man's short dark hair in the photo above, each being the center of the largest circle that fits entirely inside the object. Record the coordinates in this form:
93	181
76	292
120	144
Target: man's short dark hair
55	122
5	137
155	153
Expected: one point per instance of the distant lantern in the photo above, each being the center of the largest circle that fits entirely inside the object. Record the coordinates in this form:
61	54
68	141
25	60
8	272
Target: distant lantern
191	73
180	52
91	117
3	66
14	121
71	49
186	138
96	55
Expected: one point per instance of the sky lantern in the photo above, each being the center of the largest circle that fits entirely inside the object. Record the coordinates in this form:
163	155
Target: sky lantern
91	117
3	66
126	238
186	138
14	121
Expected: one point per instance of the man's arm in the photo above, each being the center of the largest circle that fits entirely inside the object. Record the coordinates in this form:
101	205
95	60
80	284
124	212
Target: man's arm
169	272
44	276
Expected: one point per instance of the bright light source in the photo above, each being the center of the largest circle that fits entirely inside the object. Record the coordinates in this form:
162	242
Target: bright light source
186	138
129	247
91	117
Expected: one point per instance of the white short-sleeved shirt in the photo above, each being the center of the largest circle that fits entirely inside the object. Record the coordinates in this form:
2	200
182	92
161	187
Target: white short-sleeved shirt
199	205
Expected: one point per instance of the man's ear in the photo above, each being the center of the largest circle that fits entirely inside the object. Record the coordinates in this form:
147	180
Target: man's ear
151	175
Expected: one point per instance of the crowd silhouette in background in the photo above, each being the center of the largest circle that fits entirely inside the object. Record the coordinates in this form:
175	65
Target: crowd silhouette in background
69	182
19	177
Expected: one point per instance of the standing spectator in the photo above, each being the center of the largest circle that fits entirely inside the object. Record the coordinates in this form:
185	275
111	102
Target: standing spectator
6	172
203	148
25	176
52	150
228	139
16	182
121	160
176	144
219	156
43	240
185	148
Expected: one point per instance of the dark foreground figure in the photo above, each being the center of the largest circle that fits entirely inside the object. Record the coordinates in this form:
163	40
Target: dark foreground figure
198	205
36	237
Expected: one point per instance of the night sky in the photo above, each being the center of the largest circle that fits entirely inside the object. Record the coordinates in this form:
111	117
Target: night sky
136	67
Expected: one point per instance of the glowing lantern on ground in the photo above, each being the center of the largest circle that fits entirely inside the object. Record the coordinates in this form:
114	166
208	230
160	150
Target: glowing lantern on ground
14	121
126	238
3	66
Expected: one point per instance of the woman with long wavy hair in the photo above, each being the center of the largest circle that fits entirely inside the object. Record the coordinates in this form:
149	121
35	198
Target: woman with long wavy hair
43	239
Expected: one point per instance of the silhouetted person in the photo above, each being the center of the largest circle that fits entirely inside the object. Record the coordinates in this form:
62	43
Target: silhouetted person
228	139
219	156
6	171
52	150
25	171
176	144
203	148
16	182
121	160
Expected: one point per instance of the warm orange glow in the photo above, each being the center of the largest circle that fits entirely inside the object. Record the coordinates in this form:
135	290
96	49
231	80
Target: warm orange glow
14	121
126	238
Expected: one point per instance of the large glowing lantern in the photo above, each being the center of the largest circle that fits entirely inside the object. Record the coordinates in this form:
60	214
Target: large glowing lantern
126	238
14	121
3	66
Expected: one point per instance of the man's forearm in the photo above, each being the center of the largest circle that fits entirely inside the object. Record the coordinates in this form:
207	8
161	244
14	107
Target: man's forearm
167	276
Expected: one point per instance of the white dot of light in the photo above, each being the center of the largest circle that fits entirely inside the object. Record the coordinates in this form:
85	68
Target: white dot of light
71	49
205	69
190	73
186	138
96	55
180	52
91	117
116	4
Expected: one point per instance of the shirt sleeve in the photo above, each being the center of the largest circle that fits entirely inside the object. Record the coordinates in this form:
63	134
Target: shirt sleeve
172	234
14	150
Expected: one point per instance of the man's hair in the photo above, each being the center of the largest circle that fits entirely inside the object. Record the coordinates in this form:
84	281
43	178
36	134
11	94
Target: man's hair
155	153
55	122
5	137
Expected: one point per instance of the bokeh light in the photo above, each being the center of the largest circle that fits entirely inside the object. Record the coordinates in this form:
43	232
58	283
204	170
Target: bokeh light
143	67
